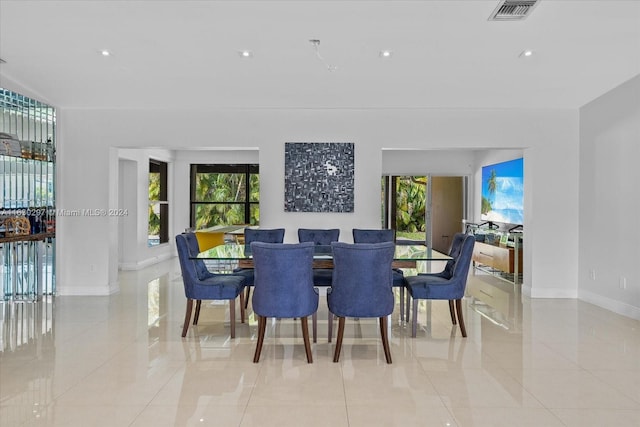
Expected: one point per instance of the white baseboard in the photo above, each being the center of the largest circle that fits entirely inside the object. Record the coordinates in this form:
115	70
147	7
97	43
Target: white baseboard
618	307
88	290
552	293
139	265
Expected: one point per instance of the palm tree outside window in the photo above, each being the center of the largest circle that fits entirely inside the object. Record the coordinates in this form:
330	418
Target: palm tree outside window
224	194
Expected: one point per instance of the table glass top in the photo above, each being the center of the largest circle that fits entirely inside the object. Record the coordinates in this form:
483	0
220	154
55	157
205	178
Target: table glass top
235	251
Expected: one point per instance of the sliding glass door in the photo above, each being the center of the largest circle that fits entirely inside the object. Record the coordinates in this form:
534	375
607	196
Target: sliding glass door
426	208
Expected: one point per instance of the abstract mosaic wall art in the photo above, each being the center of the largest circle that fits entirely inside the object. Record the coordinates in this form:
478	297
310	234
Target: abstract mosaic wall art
318	177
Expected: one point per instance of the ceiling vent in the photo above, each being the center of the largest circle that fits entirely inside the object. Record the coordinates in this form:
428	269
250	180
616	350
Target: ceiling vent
512	10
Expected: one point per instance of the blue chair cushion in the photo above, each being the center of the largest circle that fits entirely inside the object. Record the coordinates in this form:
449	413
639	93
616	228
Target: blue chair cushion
434	287
219	287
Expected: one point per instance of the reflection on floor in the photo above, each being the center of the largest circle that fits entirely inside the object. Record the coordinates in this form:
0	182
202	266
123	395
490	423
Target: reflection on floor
120	361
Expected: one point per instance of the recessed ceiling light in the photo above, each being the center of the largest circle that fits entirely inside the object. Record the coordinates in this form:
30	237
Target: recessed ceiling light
526	53
386	54
105	52
245	54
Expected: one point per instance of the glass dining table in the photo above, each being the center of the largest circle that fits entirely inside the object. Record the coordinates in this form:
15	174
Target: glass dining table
405	256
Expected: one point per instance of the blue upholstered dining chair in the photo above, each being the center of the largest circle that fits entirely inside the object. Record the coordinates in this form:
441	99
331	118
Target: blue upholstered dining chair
283	287
321	276
323	237
387	235
444	286
361	235
319	236
362	287
447	272
275	235
201	284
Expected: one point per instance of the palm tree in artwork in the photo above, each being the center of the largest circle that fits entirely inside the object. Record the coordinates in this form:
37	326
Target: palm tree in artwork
492	186
492	183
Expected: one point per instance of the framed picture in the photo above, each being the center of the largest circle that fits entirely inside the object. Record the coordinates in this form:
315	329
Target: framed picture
504	239
319	177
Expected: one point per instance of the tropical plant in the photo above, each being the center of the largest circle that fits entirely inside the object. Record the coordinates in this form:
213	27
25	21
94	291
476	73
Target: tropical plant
221	198
411	204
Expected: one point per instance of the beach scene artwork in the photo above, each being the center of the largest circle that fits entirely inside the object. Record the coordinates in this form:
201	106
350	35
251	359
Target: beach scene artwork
503	192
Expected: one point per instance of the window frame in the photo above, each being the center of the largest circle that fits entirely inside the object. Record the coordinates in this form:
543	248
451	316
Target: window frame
161	167
247	169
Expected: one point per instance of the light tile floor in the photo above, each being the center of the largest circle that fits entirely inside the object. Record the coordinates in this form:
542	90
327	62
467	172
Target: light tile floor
120	361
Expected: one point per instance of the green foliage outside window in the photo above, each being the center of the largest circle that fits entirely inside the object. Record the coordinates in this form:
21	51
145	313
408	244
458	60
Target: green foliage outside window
154	195
411	203
220	198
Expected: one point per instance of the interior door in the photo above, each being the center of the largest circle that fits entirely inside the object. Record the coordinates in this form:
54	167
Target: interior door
447	195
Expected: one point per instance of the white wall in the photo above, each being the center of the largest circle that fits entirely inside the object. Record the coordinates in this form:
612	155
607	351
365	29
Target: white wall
549	138
429	161
132	199
610	200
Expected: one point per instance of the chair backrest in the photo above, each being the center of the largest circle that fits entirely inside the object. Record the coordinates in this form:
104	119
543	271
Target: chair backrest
318	236
362	279
454	252
461	268
373	236
188	246
283	280
187	265
275	235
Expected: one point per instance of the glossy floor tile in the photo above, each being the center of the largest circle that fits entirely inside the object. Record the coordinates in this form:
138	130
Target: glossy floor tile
120	361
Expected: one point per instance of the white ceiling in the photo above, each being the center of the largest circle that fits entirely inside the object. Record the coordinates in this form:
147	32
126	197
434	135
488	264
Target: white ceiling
446	54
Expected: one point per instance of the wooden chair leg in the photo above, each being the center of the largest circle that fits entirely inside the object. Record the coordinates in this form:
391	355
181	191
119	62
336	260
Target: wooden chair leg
232	317
242	309
196	316
408	305
187	317
246	298
402	303
414	321
453	316
336	354
385	338
262	326
460	318
314	326
305	336
330	326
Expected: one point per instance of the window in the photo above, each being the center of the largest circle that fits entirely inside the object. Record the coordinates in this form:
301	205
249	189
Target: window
224	195
158	204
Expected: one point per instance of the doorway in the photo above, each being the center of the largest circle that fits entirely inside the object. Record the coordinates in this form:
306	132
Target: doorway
427	209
